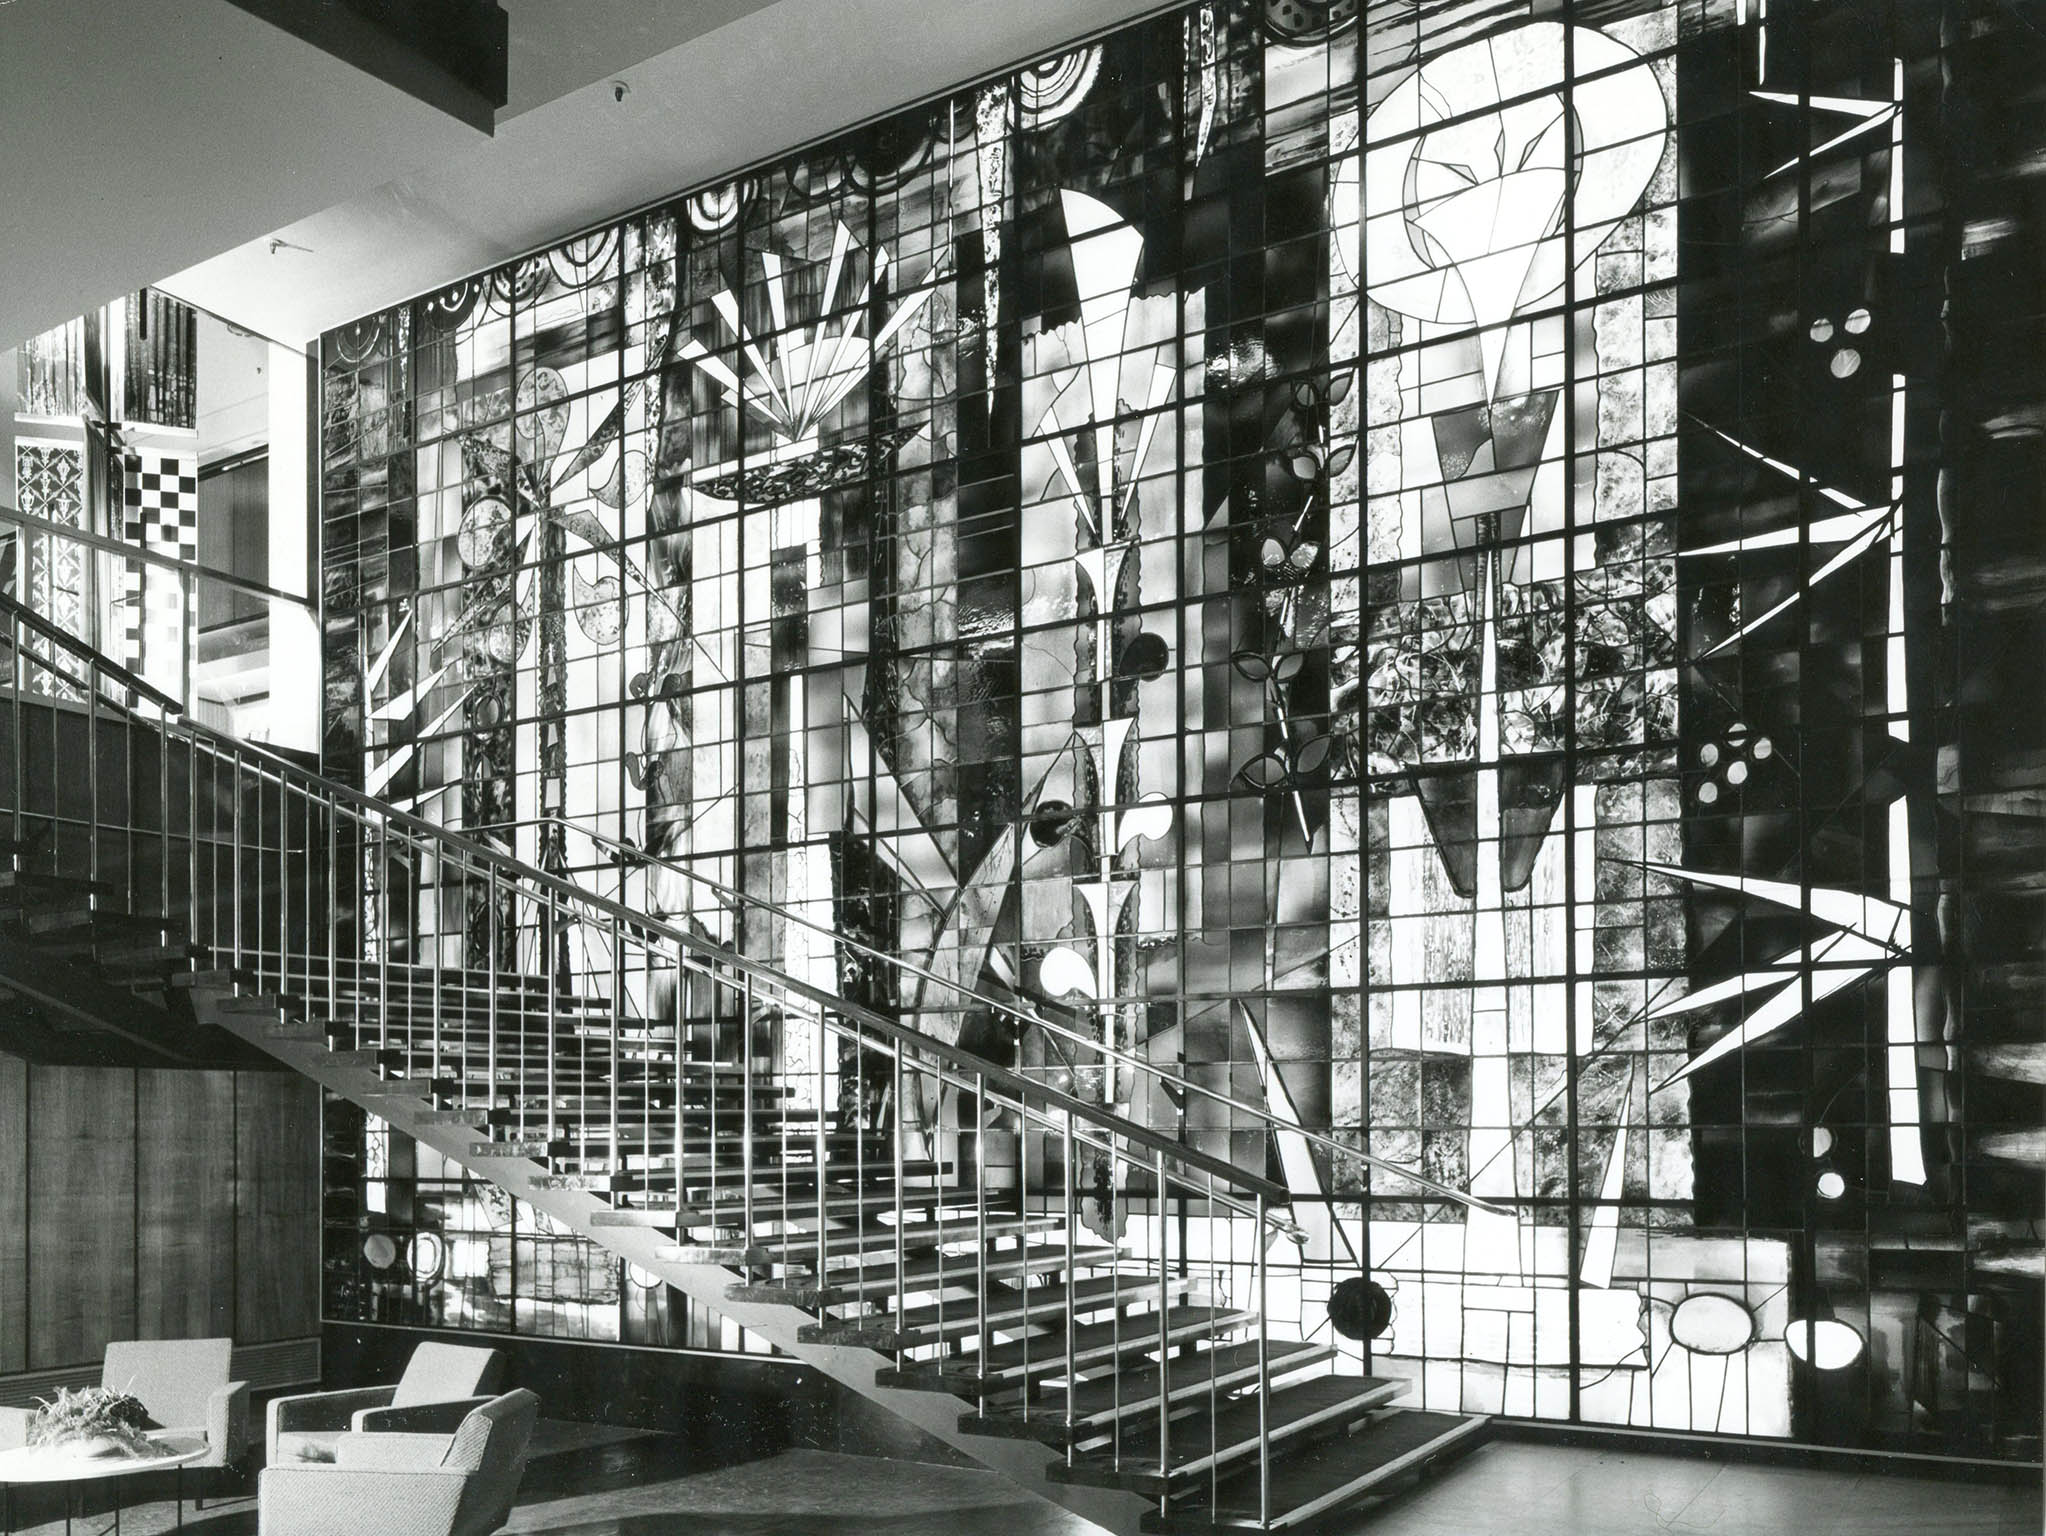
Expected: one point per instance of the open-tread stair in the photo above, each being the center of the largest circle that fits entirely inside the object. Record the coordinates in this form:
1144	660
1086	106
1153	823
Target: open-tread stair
939	1246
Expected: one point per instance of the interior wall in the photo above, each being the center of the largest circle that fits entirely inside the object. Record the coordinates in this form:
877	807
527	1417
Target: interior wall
139	1203
1456	566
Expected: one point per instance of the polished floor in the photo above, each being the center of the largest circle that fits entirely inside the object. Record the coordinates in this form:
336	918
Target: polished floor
583	1486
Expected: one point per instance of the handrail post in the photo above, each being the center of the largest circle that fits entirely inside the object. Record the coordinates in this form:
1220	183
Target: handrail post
1264	1373
1164	1340
490	1057
985	1341
94	683
895	1152
618	1064
1070	1173
746	1123
17	665
823	1045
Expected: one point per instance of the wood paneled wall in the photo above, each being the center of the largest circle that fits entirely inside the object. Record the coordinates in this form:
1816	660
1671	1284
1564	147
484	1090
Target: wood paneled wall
154	1204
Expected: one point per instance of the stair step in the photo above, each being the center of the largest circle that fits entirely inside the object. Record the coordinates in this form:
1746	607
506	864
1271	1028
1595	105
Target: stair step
799	1250
1010	1310
20	887
1200	1443
1042	1357
958	1270
1318	1475
135	957
213	978
1103	1400
65	927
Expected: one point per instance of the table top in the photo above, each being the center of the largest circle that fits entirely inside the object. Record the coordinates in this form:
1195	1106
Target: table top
67	1464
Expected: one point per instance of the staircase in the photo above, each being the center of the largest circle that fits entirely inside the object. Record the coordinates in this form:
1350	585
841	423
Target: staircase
1069	1296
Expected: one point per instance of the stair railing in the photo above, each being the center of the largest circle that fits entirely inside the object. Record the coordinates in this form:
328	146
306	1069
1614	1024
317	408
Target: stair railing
625	1055
1072	1044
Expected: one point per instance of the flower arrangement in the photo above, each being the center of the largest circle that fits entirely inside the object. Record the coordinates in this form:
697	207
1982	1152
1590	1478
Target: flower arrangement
97	1420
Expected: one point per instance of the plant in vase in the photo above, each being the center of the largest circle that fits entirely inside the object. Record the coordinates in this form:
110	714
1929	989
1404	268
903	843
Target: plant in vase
95	1421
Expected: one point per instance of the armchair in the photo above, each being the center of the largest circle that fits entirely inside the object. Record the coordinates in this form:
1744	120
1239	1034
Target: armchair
406	1484
442	1382
181	1383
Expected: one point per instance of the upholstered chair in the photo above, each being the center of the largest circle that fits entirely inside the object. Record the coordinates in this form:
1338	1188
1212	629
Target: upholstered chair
181	1383
408	1484
442	1382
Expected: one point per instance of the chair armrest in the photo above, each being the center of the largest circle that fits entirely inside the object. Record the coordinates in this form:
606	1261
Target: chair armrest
319	1410
417	1418
14	1423
393	1452
346	1501
227	1424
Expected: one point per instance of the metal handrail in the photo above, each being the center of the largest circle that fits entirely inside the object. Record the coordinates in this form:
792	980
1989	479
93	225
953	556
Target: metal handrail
104	663
1137	1064
631	920
577	1034
142	556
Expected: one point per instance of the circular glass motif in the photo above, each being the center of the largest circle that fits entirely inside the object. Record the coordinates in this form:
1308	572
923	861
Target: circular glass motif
1052	823
1711	1324
584	257
1308	21
358	339
718	208
542	407
502	638
451	306
1051	90
1360	1308
426	1254
485	532
1824	1342
381	1252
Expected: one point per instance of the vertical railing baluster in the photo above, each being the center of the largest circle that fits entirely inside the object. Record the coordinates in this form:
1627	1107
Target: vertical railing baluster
682	1021
383	857
788	1197
19	664
1264	1372
553	1120
618	1062
490	1052
163	818
234	865
895	1157
985	1340
95	701
1072	1261
1164	1339
746	1125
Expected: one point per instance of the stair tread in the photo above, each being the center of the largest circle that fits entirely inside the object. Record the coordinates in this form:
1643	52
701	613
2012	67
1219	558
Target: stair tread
842	1285
964	1316
1319	1474
1043	1356
1100	1400
1201	1440
798	1248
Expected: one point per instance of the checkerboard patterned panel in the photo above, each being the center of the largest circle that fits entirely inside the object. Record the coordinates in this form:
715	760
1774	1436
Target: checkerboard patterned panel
161	515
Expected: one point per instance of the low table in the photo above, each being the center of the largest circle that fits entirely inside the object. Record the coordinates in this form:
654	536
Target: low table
63	1464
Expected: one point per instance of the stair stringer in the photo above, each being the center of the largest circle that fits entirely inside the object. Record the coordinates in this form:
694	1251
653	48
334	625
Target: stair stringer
938	1414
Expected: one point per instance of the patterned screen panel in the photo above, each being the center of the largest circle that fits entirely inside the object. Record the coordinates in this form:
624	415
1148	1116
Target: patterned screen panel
1464	574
